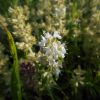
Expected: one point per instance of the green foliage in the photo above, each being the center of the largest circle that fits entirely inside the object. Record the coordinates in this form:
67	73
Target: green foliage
4	5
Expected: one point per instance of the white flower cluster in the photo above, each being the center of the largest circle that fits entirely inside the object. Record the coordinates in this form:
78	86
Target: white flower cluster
52	16
22	29
19	17
53	50
59	14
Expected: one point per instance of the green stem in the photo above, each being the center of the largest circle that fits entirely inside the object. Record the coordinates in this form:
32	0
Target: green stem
66	98
15	78
50	93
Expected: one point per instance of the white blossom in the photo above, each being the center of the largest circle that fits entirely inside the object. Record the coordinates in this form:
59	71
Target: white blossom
53	50
48	35
56	35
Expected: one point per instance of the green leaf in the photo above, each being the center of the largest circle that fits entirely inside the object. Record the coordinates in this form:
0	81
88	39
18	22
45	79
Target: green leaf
15	78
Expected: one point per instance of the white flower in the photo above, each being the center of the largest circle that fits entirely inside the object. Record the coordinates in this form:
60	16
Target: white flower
63	50
53	50
48	35
43	41
56	35
57	72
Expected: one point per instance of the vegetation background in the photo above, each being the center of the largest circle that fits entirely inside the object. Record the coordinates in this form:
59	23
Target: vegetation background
80	77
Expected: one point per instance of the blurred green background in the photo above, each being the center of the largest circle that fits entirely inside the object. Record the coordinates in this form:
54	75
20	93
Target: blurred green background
80	78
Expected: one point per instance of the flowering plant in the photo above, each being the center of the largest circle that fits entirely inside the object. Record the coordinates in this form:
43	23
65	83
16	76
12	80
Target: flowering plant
36	65
53	51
